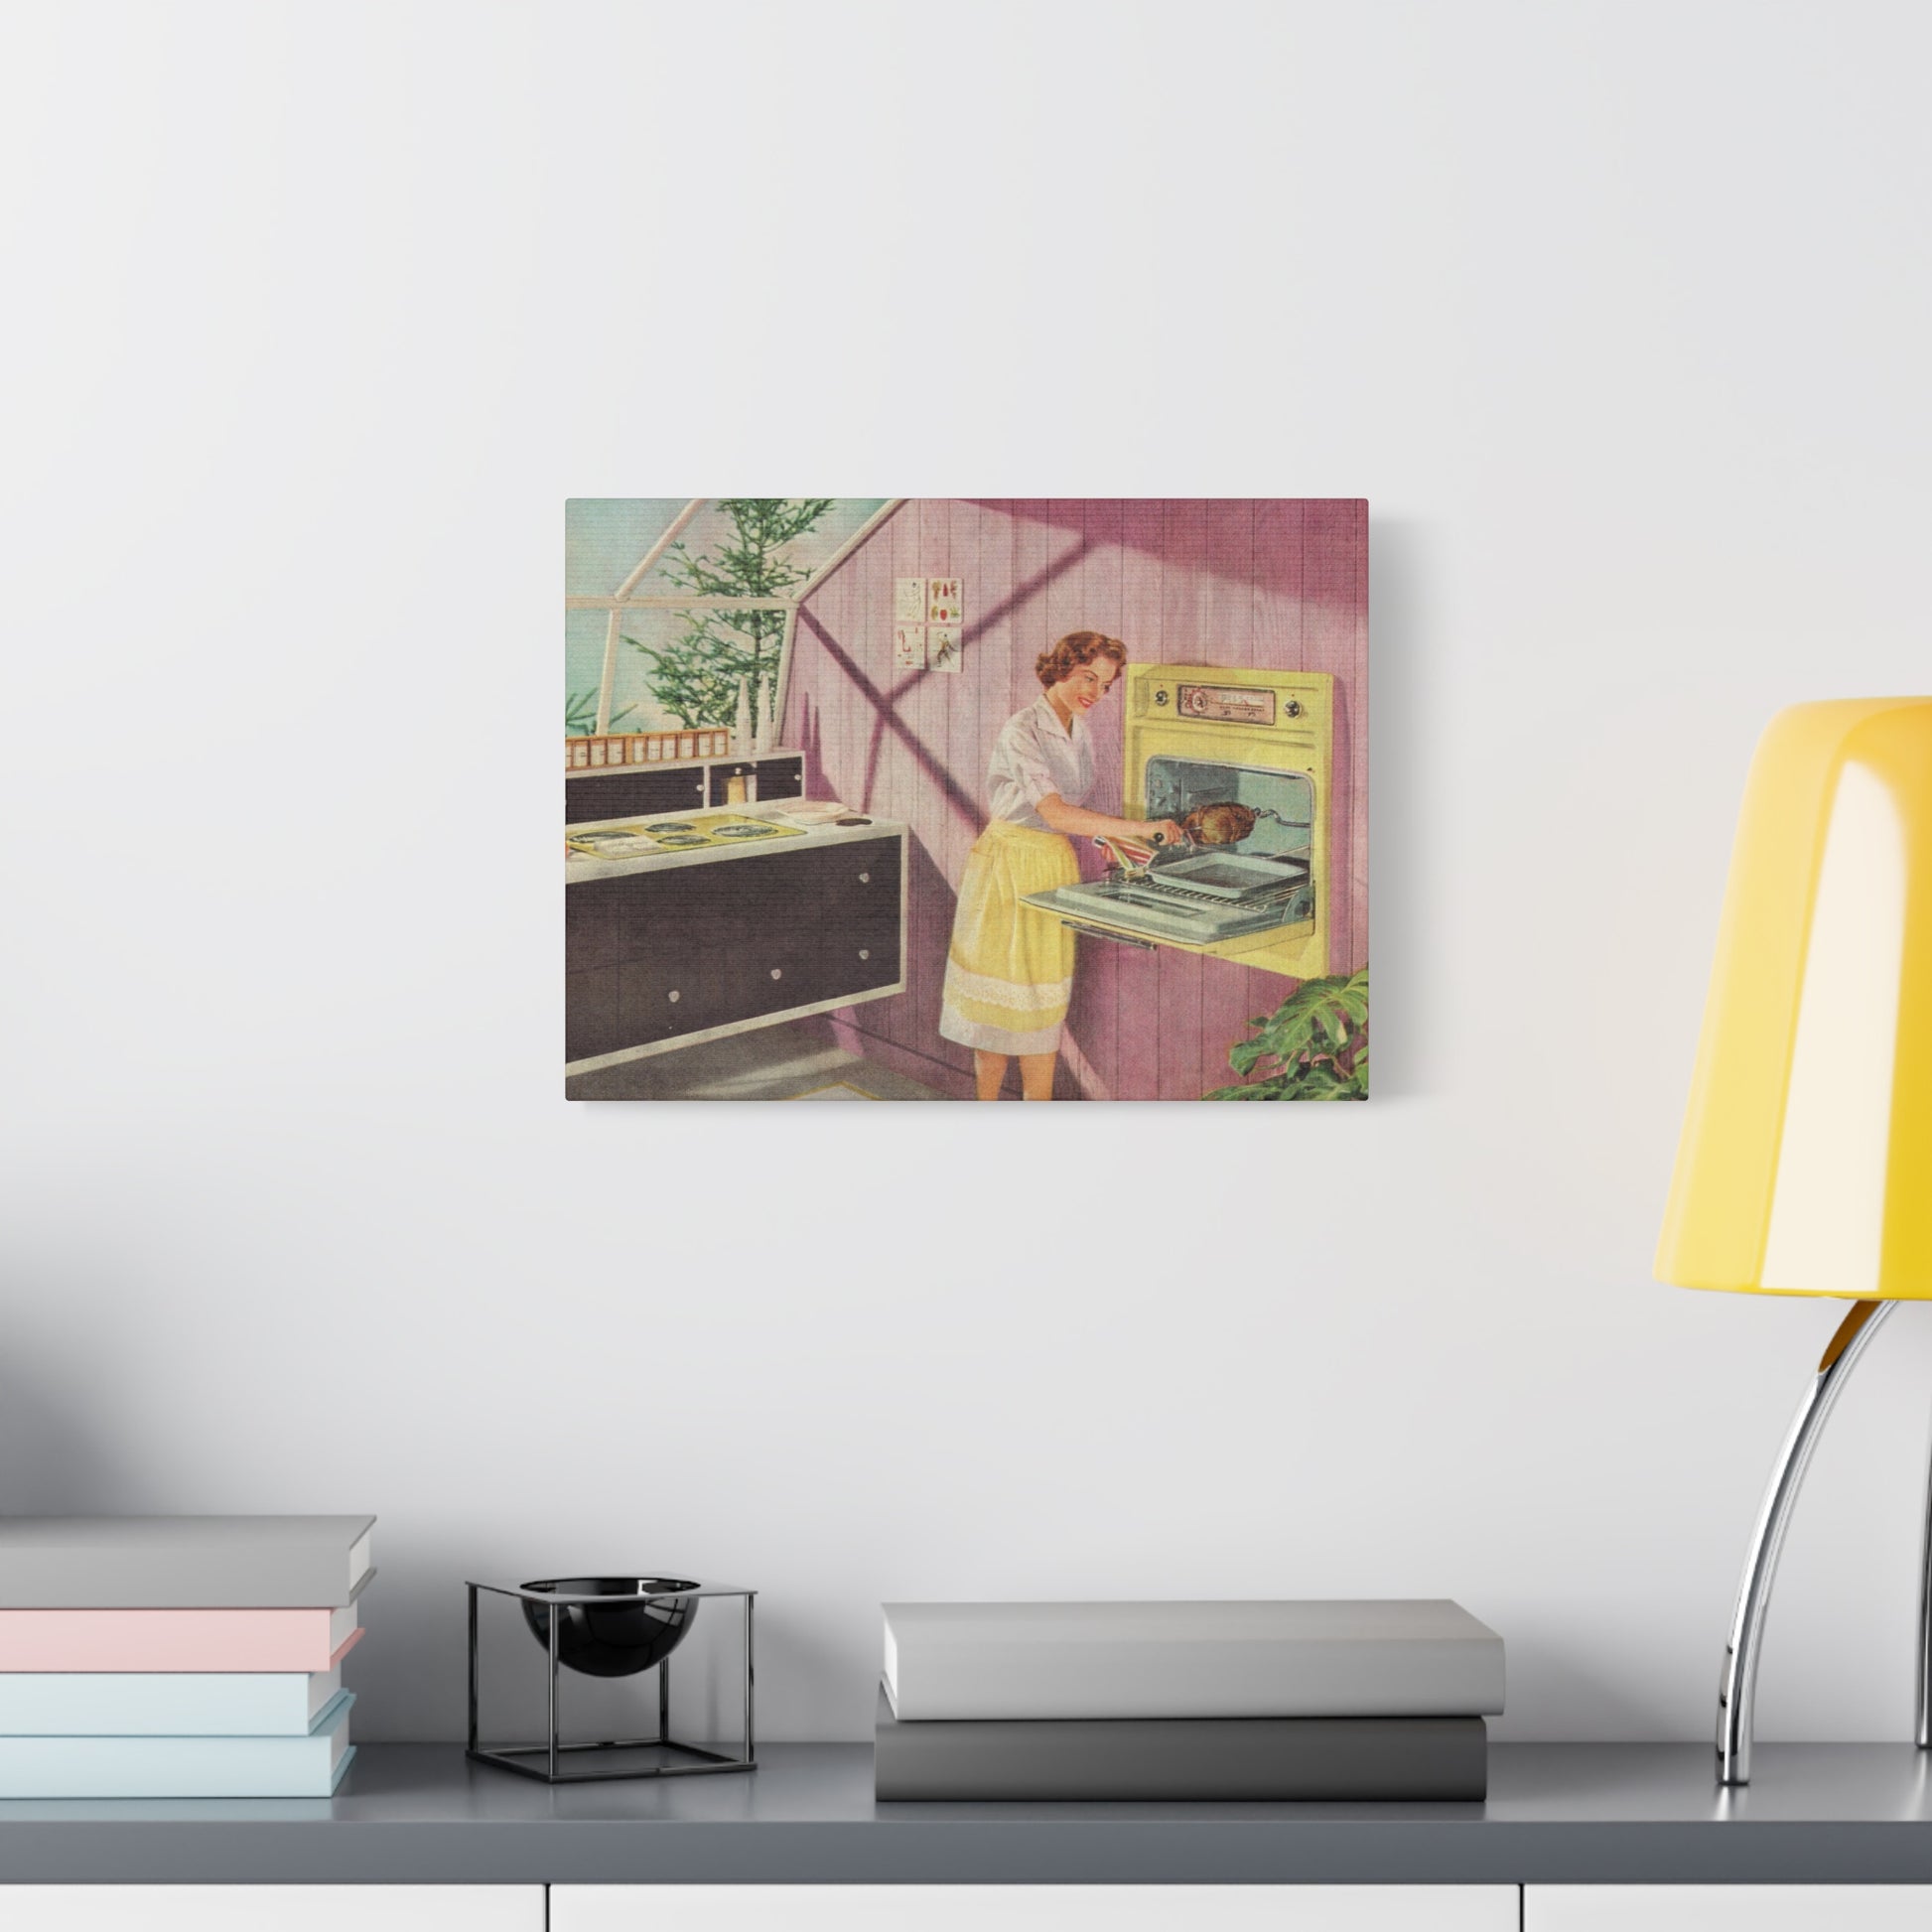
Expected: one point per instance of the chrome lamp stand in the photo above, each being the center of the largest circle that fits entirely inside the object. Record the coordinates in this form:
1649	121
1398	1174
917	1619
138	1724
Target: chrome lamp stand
1737	1690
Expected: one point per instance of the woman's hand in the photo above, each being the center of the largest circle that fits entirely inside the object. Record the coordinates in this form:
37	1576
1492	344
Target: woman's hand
1161	831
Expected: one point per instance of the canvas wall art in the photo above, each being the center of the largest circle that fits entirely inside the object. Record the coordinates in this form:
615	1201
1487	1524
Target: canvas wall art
937	799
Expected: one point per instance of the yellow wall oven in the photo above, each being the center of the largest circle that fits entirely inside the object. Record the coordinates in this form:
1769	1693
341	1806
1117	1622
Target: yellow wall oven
1198	737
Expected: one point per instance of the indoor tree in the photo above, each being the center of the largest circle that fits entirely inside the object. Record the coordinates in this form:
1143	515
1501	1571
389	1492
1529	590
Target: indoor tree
695	675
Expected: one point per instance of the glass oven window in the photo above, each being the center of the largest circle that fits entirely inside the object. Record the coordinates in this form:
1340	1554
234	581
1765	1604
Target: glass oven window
1175	786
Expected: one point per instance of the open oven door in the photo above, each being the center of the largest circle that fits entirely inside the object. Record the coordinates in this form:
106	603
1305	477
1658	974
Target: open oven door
1200	737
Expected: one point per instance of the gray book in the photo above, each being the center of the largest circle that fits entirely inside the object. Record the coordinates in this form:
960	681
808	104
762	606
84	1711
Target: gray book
167	1562
1344	1658
1311	1759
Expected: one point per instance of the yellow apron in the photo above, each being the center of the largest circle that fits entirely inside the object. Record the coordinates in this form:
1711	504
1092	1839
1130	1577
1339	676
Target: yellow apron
1010	967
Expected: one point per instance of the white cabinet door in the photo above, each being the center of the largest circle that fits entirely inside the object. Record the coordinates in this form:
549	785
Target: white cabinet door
272	1908
1035	1908
1727	1908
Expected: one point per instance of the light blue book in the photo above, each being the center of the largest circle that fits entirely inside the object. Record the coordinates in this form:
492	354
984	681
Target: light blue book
164	1704
309	1766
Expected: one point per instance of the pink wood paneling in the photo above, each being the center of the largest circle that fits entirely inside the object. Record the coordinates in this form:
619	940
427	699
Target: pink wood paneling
1227	992
930	529
1067	607
1222	582
1041	551
1137	1027
1093	1024
1184	639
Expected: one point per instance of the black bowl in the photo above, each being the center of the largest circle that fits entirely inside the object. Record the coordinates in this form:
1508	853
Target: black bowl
617	1639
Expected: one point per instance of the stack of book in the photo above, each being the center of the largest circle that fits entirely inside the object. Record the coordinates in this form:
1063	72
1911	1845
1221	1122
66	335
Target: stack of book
1311	1700
177	1656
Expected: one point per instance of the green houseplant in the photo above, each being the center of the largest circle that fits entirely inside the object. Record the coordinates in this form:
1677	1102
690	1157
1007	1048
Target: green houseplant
695	675
580	714
1313	1046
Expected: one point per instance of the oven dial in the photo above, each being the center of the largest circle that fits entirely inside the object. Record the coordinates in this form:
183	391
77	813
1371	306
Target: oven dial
1160	696
1293	707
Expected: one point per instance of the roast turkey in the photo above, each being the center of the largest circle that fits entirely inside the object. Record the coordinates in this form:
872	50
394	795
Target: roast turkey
1225	824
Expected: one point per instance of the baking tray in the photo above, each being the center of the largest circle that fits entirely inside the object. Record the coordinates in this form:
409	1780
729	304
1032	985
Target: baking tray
1228	875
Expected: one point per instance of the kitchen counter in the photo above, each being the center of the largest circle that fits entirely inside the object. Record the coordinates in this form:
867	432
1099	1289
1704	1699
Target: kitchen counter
578	866
667	950
1557	1814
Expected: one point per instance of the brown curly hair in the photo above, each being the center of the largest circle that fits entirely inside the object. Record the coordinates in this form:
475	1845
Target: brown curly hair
1077	648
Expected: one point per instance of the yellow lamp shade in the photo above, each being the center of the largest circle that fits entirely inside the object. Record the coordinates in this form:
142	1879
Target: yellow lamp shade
1805	1162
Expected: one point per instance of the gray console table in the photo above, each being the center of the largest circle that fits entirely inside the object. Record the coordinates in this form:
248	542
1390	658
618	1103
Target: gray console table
1557	1815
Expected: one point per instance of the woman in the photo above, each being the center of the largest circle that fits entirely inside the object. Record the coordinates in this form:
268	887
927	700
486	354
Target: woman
1010	968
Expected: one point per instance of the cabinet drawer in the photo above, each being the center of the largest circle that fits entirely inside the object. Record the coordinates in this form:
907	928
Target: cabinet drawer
782	777
778	778
1727	1908
1035	1908
594	1017
848	964
607	919
632	794
287	1908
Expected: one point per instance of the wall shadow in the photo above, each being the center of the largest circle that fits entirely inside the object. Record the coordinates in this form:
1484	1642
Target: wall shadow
1407	688
50	1462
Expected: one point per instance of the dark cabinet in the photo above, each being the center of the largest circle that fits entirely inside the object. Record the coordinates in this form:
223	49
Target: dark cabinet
662	954
782	778
632	794
590	797
859	936
673	973
594	1019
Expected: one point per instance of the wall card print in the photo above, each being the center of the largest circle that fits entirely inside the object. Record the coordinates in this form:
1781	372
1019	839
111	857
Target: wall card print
1029	798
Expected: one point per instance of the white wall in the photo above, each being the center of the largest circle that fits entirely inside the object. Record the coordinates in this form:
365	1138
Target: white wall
1617	314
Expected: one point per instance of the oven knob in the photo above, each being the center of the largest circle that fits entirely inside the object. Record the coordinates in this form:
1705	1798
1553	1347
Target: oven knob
1160	697
1293	707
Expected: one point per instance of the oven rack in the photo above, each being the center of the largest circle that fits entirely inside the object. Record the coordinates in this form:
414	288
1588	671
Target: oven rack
1274	895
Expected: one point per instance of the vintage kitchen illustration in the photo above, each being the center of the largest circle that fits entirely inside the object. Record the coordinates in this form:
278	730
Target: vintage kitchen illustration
933	799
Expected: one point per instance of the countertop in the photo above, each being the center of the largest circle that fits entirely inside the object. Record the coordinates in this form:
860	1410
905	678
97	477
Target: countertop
1576	1813
578	866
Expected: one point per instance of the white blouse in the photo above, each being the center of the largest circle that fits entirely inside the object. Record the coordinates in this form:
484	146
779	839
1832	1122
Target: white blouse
1035	754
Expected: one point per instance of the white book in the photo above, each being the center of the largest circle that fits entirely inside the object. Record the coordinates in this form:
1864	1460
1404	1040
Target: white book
1341	1658
164	1704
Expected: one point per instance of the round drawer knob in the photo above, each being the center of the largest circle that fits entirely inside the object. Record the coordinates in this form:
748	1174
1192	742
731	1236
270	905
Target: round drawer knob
865	878
777	972
672	996
864	952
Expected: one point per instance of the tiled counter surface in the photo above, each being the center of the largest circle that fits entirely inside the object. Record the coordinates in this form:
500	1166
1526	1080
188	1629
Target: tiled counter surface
1557	1814
579	867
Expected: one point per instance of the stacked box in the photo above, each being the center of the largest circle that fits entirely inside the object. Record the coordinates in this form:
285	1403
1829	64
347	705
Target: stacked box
1325	1701
178	1656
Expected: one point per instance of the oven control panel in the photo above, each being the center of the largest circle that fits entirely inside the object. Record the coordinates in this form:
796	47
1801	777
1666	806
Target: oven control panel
1225	704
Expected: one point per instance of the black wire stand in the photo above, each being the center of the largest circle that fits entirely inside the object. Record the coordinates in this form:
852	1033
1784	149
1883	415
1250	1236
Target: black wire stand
554	1761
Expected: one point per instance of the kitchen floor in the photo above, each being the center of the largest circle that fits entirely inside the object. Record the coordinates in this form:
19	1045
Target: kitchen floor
770	1063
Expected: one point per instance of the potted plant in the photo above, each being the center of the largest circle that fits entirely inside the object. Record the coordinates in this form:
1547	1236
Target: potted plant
1313	1046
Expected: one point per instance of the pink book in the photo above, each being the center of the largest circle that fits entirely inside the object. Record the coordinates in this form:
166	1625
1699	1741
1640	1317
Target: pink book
169	1640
